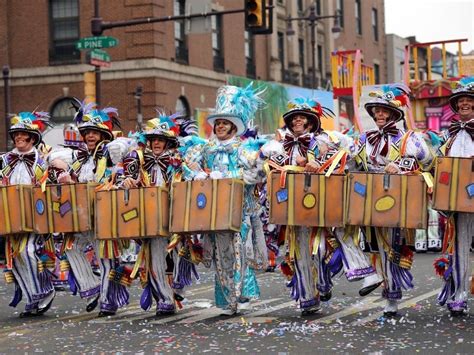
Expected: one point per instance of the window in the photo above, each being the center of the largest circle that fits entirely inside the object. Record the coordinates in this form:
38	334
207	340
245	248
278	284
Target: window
318	7
375	26
301	54
300	6
182	106
358	17
180	41
64	31
281	49
377	73
250	54
320	59
63	111
340	11
216	26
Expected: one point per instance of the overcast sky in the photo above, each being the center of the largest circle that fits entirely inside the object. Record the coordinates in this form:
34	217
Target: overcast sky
432	20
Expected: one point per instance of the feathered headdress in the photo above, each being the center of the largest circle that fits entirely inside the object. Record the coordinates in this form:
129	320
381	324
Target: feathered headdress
237	105
89	117
465	87
165	127
33	123
393	97
310	108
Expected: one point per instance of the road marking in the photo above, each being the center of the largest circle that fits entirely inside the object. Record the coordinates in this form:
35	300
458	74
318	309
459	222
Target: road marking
407	303
258	313
364	305
217	311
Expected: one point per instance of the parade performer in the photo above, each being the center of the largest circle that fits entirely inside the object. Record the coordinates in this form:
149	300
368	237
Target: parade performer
460	226
392	150
25	266
226	156
156	166
93	164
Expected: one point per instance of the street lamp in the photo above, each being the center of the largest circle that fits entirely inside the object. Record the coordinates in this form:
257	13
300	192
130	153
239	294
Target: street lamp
312	18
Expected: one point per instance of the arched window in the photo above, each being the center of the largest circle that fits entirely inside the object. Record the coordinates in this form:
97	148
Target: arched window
62	112
182	106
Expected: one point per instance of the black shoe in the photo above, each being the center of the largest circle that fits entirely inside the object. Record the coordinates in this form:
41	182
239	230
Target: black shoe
162	313
29	314
270	269
43	310
311	310
390	314
91	306
457	313
324	297
106	314
366	290
178	298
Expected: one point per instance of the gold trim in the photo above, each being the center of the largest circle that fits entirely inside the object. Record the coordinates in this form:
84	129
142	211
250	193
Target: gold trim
160	212
214	206
187	206
49	207
6	211
368	200
322	200
403	201
114	214
75	221
290	183
453	192
141	204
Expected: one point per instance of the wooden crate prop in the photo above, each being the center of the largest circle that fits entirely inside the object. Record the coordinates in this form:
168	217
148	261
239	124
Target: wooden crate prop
134	213
307	199
387	200
15	209
454	185
64	208
207	206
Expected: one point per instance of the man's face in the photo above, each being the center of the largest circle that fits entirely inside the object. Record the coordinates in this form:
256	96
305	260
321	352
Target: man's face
466	107
224	129
300	125
92	138
23	141
381	116
158	145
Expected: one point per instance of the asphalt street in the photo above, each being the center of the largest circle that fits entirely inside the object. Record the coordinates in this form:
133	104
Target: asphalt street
346	324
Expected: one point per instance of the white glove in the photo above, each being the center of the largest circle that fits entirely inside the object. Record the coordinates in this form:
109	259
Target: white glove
200	176
272	148
216	175
119	147
250	177
64	154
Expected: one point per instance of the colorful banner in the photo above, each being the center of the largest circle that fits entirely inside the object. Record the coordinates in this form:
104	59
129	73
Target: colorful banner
276	96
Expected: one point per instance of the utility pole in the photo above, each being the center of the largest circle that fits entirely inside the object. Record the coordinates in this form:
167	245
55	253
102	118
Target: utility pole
6	100
98	27
312	18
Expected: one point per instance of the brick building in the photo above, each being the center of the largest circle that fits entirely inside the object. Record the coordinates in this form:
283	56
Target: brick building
178	71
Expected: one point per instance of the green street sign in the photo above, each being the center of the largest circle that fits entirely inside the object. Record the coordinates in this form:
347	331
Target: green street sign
96	42
99	54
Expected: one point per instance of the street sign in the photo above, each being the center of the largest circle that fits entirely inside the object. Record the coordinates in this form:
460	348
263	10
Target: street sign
96	42
99	54
99	63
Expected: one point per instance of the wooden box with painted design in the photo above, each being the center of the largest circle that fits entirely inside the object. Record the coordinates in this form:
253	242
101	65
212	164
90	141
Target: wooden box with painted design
141	212
387	200
207	206
15	209
306	199
454	185
65	208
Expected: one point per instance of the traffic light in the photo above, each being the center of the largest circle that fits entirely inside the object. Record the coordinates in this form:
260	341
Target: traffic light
255	15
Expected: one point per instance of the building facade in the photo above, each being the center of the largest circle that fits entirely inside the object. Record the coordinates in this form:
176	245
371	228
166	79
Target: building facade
179	71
